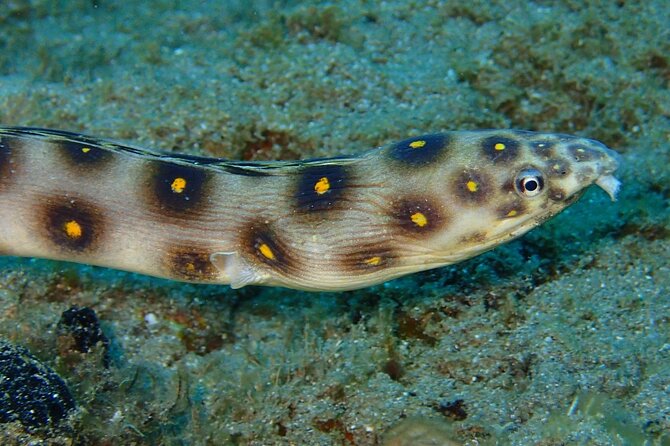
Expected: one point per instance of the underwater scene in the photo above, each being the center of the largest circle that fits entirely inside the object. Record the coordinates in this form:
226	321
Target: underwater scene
347	223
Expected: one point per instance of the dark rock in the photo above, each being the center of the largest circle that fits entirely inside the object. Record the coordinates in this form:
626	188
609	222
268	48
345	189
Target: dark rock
82	324
30	392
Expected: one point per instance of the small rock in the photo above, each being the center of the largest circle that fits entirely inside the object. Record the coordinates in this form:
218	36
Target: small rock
82	324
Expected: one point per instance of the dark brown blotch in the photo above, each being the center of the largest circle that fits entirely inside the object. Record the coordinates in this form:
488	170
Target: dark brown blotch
73	224
511	210
262	244
543	148
321	187
420	151
367	257
558	168
557	194
472	187
582	153
418	215
83	156
476	238
177	189
509	186
500	149
191	263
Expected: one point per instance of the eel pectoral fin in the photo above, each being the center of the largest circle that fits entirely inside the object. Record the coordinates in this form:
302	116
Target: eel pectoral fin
235	270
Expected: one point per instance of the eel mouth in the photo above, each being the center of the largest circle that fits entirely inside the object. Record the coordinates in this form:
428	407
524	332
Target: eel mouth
610	185
608	164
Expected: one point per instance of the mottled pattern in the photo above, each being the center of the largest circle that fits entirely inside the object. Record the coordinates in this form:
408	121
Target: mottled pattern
329	224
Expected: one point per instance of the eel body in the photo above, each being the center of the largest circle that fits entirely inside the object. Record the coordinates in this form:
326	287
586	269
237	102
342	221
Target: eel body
328	224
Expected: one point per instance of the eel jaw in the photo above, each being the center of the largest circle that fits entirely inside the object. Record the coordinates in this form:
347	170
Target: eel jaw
610	185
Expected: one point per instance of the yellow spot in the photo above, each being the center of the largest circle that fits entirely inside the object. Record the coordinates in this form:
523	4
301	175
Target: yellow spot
85	149
472	186
73	229
499	146
322	186
178	185
190	267
266	251
419	219
373	261
417	144
512	213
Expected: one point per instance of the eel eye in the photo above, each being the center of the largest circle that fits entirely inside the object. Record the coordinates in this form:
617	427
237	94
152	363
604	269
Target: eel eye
529	182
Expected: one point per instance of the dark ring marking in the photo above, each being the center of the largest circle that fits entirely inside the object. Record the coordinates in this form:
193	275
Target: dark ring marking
73	224
511	210
80	154
472	186
365	258
321	188
421	150
177	188
558	168
418	215
583	153
191	263
544	148
261	244
500	149
556	194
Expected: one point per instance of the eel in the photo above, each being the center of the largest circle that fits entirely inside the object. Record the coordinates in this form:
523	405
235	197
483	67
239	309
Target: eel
329	224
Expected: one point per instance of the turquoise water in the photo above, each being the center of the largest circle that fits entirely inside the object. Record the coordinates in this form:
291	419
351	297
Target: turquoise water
560	337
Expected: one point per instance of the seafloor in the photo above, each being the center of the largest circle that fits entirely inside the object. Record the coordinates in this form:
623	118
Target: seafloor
559	338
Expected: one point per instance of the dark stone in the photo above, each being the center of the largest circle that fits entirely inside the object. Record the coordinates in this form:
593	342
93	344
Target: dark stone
82	324
31	392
